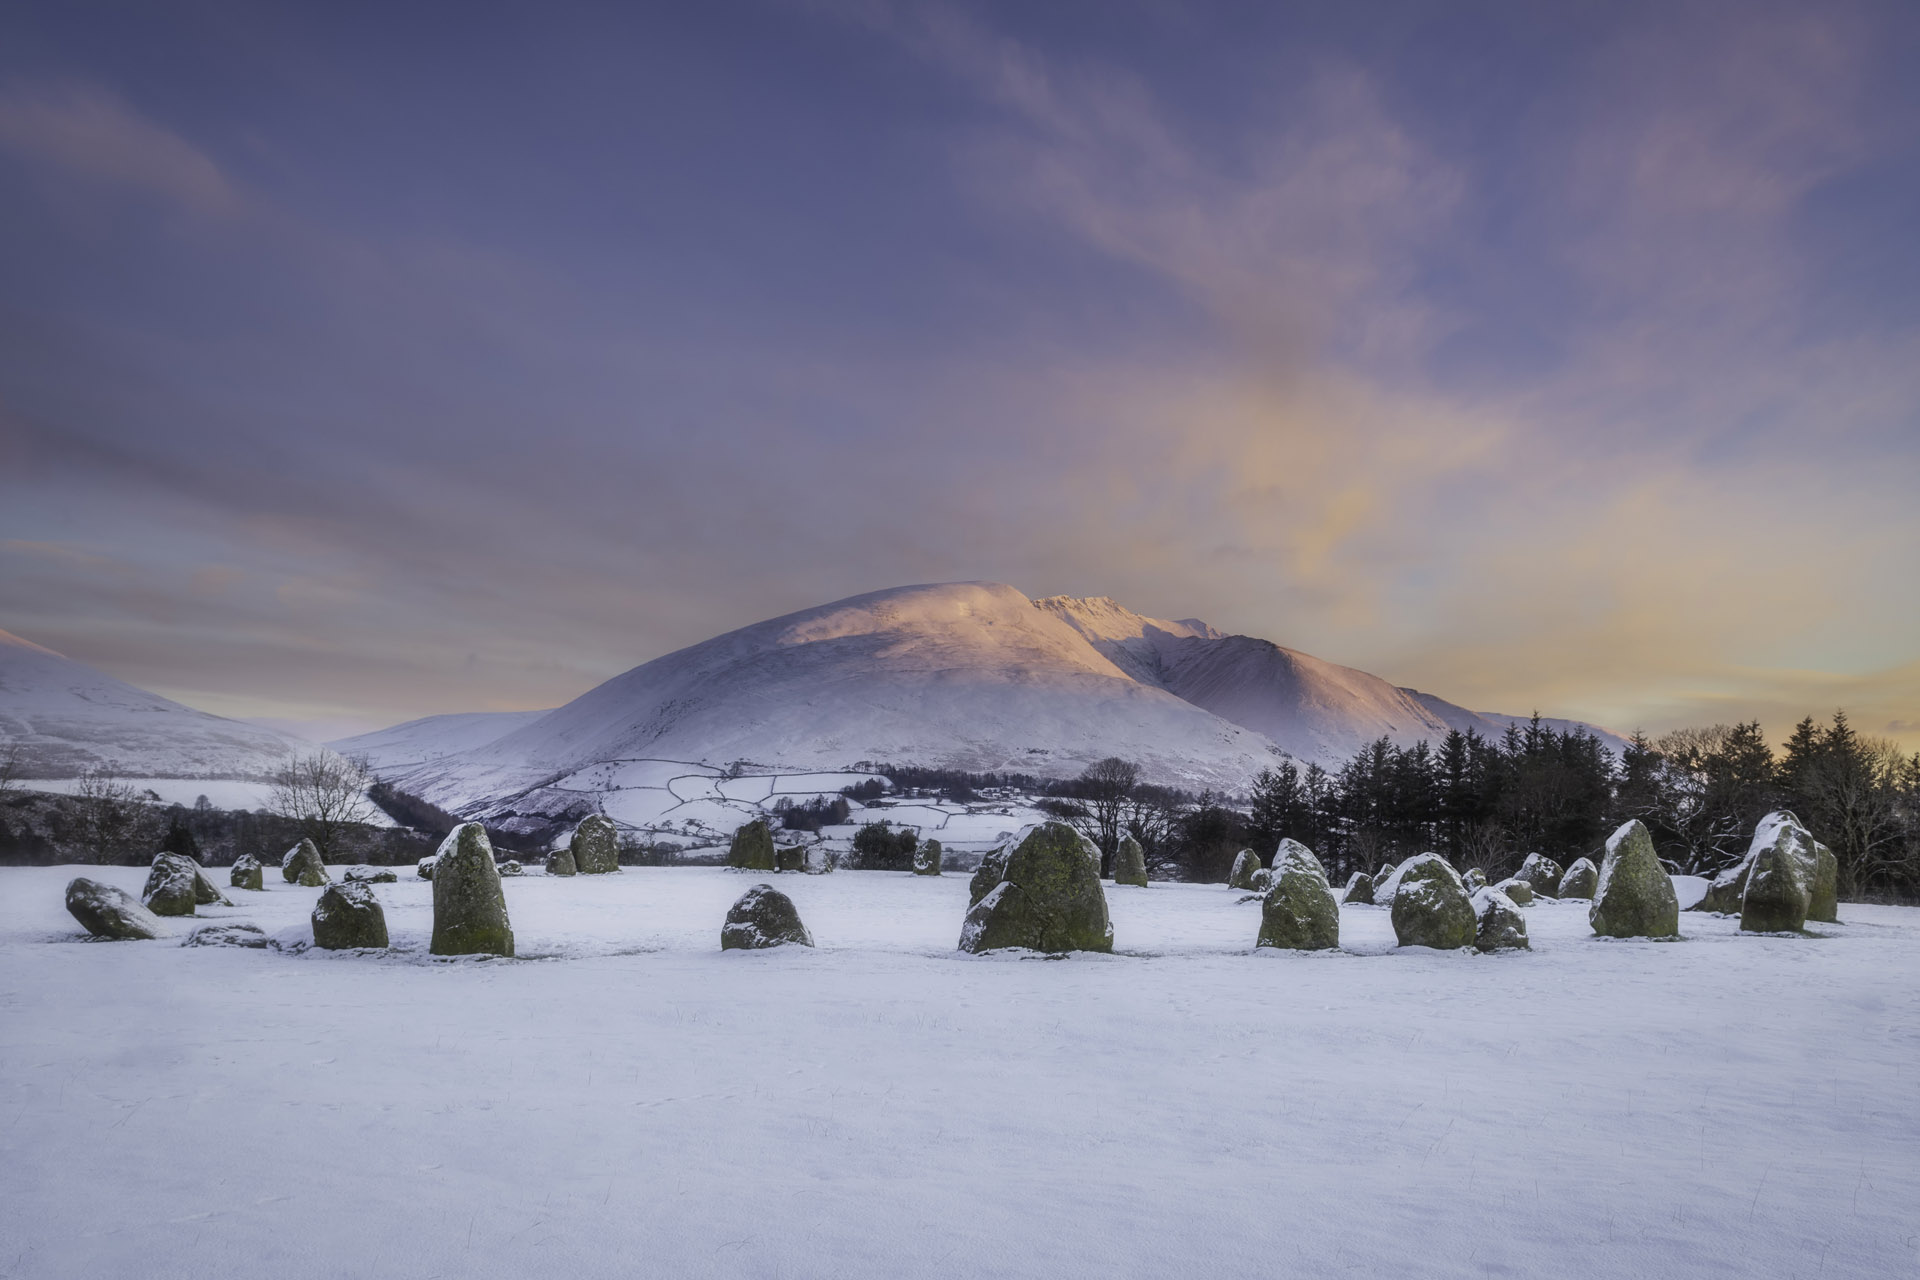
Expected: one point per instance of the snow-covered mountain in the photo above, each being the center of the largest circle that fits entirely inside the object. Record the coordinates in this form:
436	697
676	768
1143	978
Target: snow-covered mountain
403	746
67	718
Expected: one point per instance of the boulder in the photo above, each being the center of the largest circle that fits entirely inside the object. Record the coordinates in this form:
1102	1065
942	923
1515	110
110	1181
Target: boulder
1581	879
349	916
1823	886
425	869
1431	907
512	867
1474	878
229	935
763	917
1262	881
1359	890
1299	913
1245	863
752	847
1776	897
1634	897
1542	874
791	858
172	864
302	865
204	892
1130	863
595	846
1518	890
372	875
1385	872
560	863
247	874
469	906
107	912
926	858
169	890
1818	869
991	871
819	860
1499	925
1048	899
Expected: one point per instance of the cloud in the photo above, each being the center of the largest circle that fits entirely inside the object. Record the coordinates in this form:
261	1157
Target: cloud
85	132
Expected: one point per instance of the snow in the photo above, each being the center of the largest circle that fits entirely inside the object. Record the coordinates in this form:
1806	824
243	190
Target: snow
626	1099
418	741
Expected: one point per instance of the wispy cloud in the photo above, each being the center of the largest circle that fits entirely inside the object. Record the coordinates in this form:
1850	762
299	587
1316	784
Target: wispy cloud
85	132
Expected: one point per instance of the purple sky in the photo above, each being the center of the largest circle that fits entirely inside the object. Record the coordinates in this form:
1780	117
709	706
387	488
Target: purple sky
364	362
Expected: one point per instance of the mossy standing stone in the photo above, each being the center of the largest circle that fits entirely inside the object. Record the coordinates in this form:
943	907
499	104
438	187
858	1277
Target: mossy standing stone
560	863
469	906
1431	907
1776	897
1049	899
1359	890
109	912
1634	898
763	917
1725	895
247	874
991	871
1298	912
1475	879
926	858
1499	925
1262	881
1580	881
302	865
1823	886
595	846
1542	874
425	869
1130	863
169	890
1516	889
348	916
752	847
1245	863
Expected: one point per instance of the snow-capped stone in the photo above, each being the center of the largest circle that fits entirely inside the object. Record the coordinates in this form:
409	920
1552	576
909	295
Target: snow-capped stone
1359	890
1262	880
752	847
595	846
560	863
204	893
1431	907
1776	897
512	867
1474	878
1634	898
1520	891
1298	913
425	868
993	867
763	917
1130	863
1245	863
247	873
229	934
108	912
349	916
302	864
1499	926
1780	827
926	858
1049	899
372	875
169	890
1580	880
1542	873
469	906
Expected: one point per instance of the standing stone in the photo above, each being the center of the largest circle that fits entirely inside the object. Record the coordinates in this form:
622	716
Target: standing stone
169	890
108	912
1475	879
1542	873
178	864
991	871
1823	886
1245	863
560	863
1384	873
791	858
247	874
1581	879
303	865
1130	863
752	847
763	917
425	869
1776	899
595	847
1729	888
1299	913
1516	889
469	906
1635	897
1500	925
349	916
926	859
1359	891
1431	907
1262	881
1049	898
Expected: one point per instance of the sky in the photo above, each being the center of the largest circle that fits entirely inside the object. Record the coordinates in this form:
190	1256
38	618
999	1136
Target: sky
363	362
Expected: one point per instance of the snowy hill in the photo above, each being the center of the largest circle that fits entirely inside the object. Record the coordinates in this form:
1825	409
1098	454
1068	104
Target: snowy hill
68	717
431	738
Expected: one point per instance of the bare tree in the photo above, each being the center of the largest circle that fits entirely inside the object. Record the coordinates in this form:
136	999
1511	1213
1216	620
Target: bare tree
113	822
1104	790
325	793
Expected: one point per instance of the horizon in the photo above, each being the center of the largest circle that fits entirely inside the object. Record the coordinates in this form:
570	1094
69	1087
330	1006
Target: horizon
362	367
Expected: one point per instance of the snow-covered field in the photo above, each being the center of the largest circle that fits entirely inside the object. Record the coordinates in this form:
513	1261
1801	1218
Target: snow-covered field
626	1100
